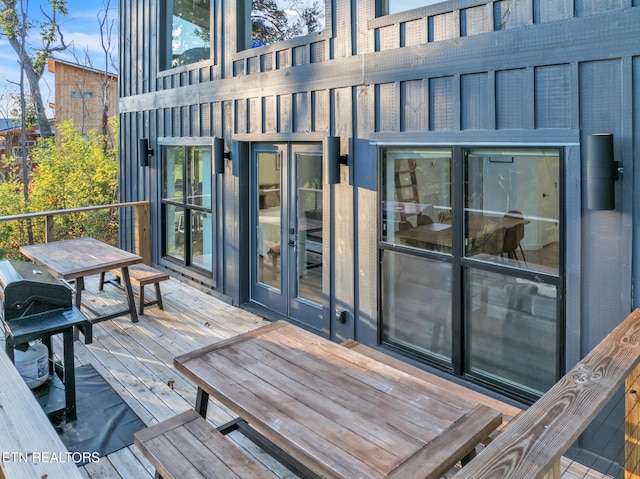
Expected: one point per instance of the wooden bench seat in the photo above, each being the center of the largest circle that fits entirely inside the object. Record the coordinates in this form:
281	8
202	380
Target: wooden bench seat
142	275
509	412
186	446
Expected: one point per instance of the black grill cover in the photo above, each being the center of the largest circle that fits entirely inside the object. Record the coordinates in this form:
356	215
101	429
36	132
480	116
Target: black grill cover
26	289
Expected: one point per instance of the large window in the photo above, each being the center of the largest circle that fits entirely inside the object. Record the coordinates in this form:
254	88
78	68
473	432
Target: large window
395	6
471	275
187	38
274	21
188	228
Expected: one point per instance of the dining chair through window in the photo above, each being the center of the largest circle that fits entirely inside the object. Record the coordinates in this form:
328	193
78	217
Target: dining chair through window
513	238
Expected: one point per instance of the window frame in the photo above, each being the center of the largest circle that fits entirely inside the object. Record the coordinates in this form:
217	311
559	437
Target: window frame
244	33
165	21
462	266
186	264
382	7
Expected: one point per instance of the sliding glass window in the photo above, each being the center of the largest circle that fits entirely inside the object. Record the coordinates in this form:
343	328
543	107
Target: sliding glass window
187	214
416	215
471	262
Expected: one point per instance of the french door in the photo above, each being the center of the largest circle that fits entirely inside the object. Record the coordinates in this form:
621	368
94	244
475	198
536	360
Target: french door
287	231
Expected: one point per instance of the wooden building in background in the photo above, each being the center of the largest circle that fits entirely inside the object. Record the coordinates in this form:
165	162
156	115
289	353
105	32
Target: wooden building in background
80	94
415	176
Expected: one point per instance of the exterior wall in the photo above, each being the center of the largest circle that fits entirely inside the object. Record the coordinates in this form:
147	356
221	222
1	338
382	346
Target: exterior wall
86	113
460	72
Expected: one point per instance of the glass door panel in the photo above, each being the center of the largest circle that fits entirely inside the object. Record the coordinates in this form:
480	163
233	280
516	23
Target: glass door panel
269	219
309	227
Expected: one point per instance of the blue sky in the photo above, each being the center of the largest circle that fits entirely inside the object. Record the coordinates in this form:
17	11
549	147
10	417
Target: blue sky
80	27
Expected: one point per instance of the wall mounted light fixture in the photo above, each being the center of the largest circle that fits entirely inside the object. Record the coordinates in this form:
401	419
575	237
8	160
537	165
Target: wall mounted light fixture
144	152
602	172
334	160
219	155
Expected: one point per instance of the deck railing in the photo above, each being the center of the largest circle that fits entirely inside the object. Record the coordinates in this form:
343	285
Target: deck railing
141	227
533	445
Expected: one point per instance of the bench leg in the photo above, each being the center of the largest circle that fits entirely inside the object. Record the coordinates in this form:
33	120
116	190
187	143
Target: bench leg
8	347
131	300
141	309
202	402
468	458
158	295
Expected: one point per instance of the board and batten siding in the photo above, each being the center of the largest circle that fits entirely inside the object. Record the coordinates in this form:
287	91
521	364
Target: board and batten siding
458	72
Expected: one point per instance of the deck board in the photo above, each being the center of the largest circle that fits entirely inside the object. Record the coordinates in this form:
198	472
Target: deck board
137	361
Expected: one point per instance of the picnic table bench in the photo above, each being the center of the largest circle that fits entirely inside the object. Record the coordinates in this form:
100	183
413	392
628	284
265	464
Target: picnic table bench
187	446
141	275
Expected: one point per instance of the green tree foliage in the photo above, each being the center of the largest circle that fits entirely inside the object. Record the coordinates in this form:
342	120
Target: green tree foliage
72	171
13	234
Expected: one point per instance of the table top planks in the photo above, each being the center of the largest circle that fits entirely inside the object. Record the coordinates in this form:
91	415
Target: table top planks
74	258
340	413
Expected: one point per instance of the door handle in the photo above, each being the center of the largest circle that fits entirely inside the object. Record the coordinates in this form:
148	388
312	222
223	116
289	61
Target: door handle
292	243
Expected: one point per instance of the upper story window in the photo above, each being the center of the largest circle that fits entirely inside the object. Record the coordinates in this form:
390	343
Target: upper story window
187	38
273	21
81	95
394	6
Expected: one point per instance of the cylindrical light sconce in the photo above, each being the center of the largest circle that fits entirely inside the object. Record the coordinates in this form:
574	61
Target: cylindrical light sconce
144	152
602	172
218	156
333	161
240	157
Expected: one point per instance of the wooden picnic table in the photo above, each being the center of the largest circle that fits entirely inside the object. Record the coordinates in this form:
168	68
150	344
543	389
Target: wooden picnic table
74	259
339	413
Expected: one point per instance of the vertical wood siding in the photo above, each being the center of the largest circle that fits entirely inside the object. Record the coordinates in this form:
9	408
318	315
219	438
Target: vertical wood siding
600	107
553	96
474	101
412	106
511	96
442	104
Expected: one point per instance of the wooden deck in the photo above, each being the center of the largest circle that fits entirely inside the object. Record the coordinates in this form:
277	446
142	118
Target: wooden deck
137	361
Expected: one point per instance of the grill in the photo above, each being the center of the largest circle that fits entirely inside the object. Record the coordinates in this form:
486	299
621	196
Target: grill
27	289
34	304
